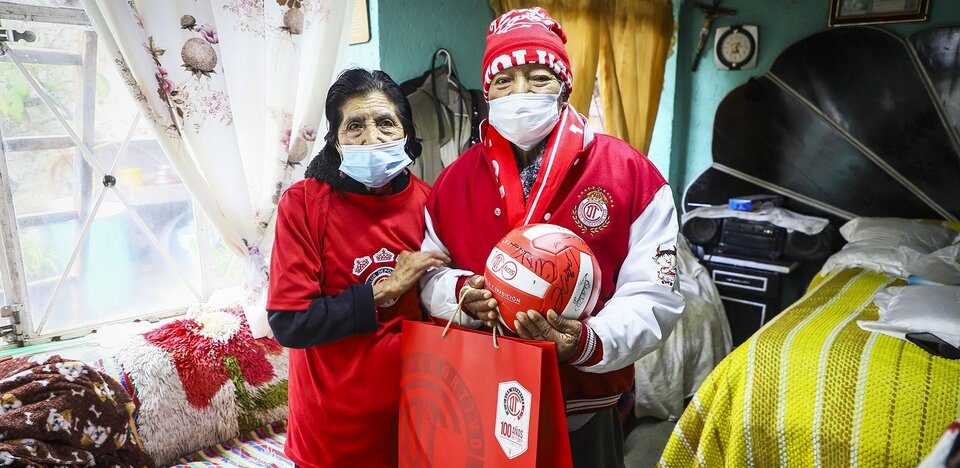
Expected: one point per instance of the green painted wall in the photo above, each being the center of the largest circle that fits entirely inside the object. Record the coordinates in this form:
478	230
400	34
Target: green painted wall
367	55
697	95
661	143
411	30
405	33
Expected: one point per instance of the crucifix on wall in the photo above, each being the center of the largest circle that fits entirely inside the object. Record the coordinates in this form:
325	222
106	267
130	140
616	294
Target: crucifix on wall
710	13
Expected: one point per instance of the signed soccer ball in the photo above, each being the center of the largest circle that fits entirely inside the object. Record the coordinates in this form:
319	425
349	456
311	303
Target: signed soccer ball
542	267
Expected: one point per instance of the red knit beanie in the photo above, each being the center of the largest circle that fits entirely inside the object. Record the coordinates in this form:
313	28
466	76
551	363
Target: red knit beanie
525	36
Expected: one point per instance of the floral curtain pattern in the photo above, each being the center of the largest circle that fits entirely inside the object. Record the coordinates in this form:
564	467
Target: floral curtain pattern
234	91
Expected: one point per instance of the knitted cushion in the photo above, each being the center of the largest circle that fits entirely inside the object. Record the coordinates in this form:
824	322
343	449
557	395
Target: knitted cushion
201	380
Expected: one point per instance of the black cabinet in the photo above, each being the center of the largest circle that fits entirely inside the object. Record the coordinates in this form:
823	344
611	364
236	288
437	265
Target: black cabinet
753	296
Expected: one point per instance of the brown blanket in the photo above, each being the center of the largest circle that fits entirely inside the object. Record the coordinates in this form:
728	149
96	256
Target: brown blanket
59	412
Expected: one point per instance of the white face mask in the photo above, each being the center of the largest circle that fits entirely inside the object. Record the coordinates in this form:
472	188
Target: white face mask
525	119
374	165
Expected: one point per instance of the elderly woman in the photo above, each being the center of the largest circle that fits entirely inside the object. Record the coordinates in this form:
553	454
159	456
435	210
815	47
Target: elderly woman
342	276
539	162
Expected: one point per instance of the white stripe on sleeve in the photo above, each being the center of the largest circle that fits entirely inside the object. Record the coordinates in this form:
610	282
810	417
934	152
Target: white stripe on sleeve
438	286
647	303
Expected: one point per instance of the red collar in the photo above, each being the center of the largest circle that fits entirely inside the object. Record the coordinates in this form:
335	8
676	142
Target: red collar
567	140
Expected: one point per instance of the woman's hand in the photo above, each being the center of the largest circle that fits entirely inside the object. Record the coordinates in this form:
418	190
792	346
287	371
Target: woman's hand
479	302
410	267
564	332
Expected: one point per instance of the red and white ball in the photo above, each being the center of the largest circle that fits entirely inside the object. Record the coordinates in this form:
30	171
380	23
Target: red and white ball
542	267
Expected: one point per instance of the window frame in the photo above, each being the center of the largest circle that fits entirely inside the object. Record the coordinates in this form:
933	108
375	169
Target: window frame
16	306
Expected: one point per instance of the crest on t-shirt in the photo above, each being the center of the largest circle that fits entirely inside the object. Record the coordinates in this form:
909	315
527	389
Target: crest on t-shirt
379	275
361	264
384	256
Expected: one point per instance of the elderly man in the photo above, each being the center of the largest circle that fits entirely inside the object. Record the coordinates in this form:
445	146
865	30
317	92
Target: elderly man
539	162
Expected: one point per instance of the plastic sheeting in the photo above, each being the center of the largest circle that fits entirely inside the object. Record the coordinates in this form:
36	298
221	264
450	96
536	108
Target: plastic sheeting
917	309
782	217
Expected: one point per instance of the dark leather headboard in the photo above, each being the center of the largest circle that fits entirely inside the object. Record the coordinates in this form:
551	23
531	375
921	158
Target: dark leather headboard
848	122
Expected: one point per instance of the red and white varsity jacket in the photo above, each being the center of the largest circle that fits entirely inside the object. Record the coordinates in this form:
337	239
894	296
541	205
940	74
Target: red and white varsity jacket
620	204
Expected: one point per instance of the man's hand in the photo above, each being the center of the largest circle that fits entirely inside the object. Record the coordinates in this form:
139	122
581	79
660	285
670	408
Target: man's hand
479	302
564	332
410	267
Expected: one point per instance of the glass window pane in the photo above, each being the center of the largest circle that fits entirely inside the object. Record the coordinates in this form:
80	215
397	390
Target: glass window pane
54	60
3	321
226	265
42	181
115	112
119	272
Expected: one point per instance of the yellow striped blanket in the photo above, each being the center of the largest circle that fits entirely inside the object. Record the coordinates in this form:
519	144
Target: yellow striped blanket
813	389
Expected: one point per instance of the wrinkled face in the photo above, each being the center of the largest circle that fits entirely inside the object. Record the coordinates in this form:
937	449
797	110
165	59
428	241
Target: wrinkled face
528	78
368	120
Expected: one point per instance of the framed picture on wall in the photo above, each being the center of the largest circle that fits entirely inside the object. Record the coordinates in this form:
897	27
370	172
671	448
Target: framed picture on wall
360	29
856	12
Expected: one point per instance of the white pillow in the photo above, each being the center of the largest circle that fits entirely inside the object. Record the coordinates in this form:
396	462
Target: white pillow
918	309
862	255
873	244
895	232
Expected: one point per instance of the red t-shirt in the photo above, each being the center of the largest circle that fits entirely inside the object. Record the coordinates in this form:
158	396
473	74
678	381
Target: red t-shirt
343	395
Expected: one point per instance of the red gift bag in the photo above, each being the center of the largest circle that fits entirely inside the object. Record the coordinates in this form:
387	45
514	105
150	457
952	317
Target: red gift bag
464	403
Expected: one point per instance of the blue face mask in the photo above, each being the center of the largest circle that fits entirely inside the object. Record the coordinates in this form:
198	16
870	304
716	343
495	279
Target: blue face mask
374	165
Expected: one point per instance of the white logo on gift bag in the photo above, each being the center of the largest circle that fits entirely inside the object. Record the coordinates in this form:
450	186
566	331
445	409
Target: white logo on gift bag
512	427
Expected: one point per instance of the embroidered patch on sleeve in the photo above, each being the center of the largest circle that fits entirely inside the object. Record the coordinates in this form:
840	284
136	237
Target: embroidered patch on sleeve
666	261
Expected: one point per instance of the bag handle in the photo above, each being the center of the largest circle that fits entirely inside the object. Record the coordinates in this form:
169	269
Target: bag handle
458	315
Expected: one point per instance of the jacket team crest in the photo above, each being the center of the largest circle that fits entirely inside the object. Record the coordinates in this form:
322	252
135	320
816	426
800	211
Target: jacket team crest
592	214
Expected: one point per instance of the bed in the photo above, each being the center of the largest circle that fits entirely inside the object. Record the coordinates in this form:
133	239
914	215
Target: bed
811	388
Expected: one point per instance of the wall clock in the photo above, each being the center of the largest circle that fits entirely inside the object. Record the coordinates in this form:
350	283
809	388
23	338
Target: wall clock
735	47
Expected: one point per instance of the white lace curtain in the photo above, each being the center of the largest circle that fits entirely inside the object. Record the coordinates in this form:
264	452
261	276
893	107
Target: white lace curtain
234	91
